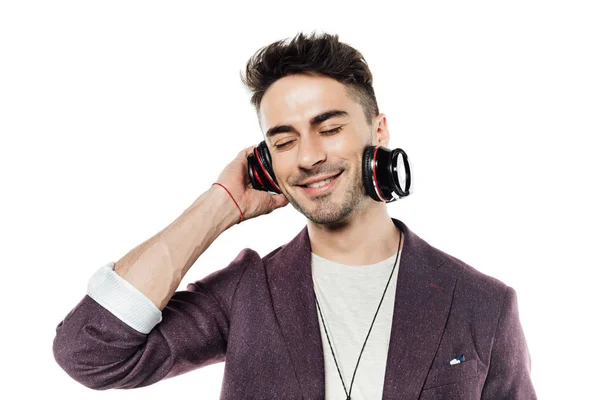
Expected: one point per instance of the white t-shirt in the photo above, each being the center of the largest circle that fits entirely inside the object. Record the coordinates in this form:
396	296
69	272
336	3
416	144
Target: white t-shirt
348	297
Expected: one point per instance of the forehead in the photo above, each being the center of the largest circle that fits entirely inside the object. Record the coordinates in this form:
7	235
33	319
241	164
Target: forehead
295	99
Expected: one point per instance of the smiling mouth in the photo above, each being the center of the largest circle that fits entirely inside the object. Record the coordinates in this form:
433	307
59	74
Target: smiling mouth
322	183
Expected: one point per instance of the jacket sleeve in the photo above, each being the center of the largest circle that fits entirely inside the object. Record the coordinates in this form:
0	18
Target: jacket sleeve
510	364
102	350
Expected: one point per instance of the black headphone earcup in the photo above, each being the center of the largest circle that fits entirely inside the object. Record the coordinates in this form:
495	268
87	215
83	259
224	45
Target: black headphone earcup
263	152
253	173
367	172
381	174
260	171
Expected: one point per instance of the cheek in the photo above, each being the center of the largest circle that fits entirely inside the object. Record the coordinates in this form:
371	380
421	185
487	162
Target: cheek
282	168
346	143
336	145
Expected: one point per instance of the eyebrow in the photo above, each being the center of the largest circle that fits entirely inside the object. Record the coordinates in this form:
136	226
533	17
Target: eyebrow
316	120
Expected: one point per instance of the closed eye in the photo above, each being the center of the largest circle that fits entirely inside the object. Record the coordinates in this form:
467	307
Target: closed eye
329	132
335	130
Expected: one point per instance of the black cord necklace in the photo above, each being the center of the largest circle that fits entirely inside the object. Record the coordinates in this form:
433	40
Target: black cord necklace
365	343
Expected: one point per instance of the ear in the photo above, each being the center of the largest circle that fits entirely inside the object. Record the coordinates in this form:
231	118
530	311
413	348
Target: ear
380	131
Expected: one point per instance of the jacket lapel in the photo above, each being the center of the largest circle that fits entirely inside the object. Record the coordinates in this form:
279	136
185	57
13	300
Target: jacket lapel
422	304
423	298
290	280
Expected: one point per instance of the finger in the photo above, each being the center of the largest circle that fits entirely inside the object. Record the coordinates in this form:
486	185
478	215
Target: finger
247	151
280	201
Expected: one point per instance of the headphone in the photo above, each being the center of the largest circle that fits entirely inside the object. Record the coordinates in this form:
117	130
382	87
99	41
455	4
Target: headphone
379	172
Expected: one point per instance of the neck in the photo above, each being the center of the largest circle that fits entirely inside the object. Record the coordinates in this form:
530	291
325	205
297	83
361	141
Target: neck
365	238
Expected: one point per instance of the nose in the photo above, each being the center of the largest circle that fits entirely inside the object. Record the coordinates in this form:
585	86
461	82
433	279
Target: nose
310	152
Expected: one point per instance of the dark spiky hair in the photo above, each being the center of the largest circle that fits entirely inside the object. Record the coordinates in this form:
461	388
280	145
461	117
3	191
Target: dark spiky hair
321	54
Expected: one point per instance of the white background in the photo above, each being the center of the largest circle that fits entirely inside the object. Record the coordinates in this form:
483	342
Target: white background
116	115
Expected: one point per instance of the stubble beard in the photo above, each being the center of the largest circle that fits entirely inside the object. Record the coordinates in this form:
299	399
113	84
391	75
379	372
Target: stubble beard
324	211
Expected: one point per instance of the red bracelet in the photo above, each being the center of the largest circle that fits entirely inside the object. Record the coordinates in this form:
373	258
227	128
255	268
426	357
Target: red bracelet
241	213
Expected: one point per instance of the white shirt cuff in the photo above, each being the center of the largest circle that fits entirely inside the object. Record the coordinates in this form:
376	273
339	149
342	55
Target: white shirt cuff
123	299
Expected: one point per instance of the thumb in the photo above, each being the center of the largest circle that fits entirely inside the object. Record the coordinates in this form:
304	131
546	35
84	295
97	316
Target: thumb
279	201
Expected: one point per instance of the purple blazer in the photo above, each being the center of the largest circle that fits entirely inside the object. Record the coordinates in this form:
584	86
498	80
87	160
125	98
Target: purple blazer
259	316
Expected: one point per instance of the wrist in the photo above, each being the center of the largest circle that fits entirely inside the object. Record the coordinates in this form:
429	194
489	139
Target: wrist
223	196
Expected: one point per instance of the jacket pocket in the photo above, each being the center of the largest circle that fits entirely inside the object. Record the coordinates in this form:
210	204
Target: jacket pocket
451	374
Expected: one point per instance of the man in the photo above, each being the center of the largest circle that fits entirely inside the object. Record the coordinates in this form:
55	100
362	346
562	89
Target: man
335	313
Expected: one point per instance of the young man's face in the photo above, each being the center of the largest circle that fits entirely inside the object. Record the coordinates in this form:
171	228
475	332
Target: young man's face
301	150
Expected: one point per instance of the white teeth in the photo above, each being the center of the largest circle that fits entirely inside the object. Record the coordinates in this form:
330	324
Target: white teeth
319	184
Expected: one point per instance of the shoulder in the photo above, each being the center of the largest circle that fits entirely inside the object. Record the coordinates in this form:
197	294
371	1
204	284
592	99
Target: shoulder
476	291
247	260
233	272
222	283
470	276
